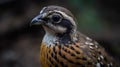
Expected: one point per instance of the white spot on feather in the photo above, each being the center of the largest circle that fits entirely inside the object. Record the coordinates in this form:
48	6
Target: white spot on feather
90	47
91	44
111	64
108	65
98	65
88	39
88	43
101	57
96	46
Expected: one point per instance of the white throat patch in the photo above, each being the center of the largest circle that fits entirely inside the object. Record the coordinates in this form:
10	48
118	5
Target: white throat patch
49	39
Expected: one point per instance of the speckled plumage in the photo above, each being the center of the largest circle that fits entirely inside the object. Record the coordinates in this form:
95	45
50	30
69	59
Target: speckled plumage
83	53
64	46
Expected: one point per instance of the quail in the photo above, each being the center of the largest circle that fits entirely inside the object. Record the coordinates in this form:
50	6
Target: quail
63	45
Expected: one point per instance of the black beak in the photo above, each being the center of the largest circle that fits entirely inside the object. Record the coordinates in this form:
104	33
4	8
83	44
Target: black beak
37	20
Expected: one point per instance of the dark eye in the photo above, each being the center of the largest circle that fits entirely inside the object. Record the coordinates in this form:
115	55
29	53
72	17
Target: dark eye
56	18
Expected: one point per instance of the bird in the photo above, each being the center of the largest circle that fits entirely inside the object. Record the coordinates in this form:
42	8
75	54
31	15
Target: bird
63	45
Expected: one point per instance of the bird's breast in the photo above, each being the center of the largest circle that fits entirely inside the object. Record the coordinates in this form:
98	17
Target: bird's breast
63	55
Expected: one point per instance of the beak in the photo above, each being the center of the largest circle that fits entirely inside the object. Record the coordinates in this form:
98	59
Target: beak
38	20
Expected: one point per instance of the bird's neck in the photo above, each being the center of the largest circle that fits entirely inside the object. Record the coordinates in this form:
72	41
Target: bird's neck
51	39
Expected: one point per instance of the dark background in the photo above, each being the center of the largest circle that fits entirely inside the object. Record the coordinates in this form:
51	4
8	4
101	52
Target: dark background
19	43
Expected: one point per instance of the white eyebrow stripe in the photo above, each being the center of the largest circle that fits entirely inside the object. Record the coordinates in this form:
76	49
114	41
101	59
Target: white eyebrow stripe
63	14
43	10
66	16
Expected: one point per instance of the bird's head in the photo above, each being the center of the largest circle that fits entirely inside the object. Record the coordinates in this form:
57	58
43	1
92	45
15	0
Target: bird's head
55	19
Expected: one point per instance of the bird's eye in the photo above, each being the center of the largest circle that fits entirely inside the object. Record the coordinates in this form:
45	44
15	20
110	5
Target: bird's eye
56	18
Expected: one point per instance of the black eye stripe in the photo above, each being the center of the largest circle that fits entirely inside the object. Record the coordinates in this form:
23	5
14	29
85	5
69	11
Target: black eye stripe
65	23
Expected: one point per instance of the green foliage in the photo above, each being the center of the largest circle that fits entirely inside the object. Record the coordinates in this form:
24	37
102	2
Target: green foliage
89	19
87	16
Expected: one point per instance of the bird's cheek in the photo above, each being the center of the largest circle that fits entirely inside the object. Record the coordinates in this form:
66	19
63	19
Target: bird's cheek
60	29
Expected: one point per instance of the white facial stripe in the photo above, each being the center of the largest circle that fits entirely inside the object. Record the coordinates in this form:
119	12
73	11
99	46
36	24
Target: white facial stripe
60	29
66	16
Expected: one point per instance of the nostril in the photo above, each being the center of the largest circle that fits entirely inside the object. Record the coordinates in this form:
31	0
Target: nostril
34	21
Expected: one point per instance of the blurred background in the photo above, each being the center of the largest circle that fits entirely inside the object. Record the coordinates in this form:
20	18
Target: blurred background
19	43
